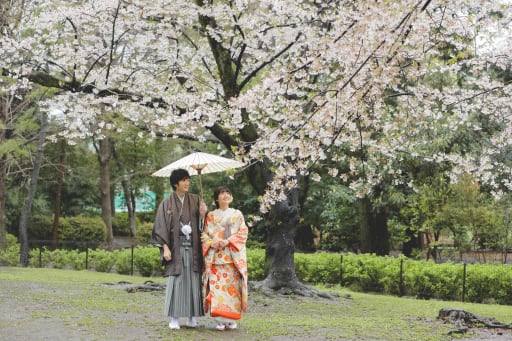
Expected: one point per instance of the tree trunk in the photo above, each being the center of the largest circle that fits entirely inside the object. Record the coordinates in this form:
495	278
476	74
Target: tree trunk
365	239
280	248
3	198
129	199
25	213
280	273
104	155
380	231
374	236
58	194
414	242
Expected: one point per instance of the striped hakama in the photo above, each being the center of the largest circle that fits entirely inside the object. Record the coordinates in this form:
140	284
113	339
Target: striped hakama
183	294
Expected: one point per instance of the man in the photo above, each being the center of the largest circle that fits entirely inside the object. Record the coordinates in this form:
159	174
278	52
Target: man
176	232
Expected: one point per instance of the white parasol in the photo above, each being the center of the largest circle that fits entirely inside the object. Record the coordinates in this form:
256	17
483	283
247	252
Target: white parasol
198	163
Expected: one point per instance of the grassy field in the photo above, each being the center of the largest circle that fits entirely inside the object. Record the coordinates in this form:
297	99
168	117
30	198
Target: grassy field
49	304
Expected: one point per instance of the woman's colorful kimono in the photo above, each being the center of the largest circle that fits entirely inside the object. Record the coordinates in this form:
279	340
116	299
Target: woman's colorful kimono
225	273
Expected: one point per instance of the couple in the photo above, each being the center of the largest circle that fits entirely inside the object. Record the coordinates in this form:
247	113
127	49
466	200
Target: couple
206	267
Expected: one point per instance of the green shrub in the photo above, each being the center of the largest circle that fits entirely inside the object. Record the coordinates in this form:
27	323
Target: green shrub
121	224
146	217
147	260
76	259
39	257
426	279
74	232
144	231
489	284
102	260
83	232
40	227
59	258
11	255
123	261
256	264
320	267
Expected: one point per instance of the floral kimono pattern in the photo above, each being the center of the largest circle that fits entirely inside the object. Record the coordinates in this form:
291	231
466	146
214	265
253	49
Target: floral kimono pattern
225	273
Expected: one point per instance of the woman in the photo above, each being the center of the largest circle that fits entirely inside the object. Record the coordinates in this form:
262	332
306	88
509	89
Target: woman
225	273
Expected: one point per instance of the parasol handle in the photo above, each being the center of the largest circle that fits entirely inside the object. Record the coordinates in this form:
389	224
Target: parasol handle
200	183
199	168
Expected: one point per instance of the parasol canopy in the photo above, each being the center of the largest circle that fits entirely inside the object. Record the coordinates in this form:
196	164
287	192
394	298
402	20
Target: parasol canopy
198	163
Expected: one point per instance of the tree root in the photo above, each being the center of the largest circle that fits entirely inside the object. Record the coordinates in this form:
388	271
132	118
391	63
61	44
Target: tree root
464	320
147	286
270	288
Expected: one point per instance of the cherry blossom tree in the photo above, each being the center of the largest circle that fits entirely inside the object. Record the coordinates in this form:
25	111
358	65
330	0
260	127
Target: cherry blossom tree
283	84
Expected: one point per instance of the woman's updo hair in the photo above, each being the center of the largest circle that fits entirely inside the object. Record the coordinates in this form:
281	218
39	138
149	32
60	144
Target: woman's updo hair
217	192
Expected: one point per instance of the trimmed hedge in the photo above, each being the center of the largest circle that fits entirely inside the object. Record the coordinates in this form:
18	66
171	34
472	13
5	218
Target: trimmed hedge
484	283
76	231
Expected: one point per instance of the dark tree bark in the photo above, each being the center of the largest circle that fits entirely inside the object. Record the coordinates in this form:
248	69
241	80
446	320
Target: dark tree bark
374	236
104	155
25	213
58	194
129	197
365	225
413	242
3	195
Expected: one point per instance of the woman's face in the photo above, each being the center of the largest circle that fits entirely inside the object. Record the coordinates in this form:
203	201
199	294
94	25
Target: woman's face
224	198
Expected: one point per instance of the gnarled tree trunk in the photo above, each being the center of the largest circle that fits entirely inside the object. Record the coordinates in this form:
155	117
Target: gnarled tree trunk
25	213
104	156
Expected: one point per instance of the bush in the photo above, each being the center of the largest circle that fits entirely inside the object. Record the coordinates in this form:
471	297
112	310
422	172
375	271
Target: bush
426	279
121	224
486	284
102	260
59	258
11	255
123	261
74	232
39	257
256	264
76	259
321	267
40	227
147	260
146	217
83	232
144	231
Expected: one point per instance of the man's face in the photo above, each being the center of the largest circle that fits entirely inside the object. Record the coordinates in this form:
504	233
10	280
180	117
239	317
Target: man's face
183	185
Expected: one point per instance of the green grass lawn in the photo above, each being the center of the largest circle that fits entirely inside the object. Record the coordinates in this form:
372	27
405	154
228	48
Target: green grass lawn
50	304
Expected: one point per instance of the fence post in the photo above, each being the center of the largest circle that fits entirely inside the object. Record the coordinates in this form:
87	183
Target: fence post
132	262
87	257
40	255
401	283
464	283
341	269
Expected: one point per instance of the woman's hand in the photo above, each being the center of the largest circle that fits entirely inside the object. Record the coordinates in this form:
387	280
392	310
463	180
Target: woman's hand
220	244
